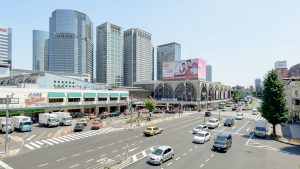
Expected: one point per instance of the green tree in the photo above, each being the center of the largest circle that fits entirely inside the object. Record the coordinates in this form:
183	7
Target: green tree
274	107
150	104
237	95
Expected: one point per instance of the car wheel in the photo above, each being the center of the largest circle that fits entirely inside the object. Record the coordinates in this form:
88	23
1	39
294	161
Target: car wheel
172	156
160	162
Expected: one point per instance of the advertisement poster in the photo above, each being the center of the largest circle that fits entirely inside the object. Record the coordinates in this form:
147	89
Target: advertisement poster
185	69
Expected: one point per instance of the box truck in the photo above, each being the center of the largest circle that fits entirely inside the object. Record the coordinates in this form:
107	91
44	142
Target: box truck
64	118
48	120
22	123
260	129
3	125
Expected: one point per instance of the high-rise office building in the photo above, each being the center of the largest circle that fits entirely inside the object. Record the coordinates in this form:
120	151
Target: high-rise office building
71	42
281	68
258	85
167	53
138	56
5	51
209	73
39	47
109	54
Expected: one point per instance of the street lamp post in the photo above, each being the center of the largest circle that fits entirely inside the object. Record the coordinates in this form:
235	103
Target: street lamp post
8	98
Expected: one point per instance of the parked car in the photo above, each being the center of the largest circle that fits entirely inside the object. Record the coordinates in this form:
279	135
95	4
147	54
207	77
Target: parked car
207	114
78	127
239	116
201	137
199	128
160	155
83	121
223	142
114	114
96	125
158	111
92	116
229	122
151	131
170	111
212	123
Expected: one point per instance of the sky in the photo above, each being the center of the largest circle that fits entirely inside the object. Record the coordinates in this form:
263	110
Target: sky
241	39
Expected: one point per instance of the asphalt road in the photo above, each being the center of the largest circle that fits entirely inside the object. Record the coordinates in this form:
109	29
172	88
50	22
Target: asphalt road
246	152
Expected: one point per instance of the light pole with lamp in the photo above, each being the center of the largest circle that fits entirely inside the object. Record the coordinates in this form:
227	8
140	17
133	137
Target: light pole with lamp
8	100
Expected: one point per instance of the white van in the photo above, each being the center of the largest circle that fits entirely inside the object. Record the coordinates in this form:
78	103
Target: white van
260	129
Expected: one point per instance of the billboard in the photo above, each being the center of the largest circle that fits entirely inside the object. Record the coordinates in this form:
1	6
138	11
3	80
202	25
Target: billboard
184	69
280	64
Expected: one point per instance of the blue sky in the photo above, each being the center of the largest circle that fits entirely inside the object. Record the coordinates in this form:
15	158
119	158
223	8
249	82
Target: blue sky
241	39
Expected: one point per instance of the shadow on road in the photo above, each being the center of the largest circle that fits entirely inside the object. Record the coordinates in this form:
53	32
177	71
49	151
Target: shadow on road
291	150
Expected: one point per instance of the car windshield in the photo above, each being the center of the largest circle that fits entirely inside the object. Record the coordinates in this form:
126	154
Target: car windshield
78	125
27	123
157	152
200	135
149	128
68	118
212	121
260	129
228	121
199	127
239	114
222	139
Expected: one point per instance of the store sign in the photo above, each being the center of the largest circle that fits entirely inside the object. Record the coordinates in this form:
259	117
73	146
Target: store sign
3	31
34	98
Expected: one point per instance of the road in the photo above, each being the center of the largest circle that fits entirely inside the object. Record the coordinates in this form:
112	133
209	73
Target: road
88	147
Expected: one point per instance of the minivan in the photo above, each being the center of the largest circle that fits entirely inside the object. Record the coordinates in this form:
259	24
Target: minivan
223	142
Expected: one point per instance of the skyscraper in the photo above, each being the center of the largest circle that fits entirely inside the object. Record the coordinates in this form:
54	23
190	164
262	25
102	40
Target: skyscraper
5	51
209	73
281	68
138	56
167	53
109	54
258	85
39	47
71	42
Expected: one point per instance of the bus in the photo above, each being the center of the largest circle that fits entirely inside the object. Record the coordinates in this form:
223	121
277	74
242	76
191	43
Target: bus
221	106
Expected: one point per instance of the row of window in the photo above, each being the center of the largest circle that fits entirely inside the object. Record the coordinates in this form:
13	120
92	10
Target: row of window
60	100
63	82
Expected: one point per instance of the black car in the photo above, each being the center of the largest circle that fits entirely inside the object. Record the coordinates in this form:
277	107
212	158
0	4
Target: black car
207	114
229	122
170	111
113	114
234	108
223	142
78	127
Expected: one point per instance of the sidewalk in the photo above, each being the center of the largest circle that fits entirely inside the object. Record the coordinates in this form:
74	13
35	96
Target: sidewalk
288	133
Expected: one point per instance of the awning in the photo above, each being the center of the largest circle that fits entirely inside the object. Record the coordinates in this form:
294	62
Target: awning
114	95
102	95
56	95
74	95
89	95
124	94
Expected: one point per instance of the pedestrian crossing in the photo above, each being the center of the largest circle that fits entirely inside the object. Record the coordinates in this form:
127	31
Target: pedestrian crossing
253	117
72	137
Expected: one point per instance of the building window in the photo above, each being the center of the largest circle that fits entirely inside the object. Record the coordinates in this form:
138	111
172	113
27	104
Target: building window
54	81
73	99
296	93
56	100
58	81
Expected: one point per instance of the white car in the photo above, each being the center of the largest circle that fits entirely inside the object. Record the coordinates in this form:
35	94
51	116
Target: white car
212	123
201	137
199	128
160	155
254	112
239	116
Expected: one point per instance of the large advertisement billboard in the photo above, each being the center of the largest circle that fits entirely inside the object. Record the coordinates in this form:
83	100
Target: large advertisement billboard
184	69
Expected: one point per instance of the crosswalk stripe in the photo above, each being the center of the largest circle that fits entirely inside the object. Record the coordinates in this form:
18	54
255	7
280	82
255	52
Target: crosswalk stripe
70	138
28	146
53	141
63	139
47	142
36	145
39	142
247	115
58	140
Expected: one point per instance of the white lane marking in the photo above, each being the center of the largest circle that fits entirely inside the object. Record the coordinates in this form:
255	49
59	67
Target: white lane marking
111	144
102	155
74	165
134	158
133	144
28	146
66	137
114	151
201	165
47	142
248	129
144	153
170	163
233	127
89	160
133	149
29	138
4	165
207	160
118	156
36	145
53	141
242	127
190	150
89	150
184	154
58	140
249	139
177	158
43	165
212	155
195	146
60	159
40	143
100	147
63	138
76	155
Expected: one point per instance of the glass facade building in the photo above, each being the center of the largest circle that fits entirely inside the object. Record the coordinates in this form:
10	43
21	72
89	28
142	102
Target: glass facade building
5	51
70	42
167	53
109	54
39	50
138	56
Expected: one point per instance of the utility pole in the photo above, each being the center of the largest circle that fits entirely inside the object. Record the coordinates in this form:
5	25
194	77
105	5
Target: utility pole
6	125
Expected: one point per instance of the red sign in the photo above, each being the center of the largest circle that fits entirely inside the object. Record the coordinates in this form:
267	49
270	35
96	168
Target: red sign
3	30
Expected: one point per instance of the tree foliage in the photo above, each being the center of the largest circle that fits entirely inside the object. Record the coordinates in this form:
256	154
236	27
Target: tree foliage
237	95
274	107
150	104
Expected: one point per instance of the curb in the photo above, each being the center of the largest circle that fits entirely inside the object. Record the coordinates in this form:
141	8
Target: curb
287	141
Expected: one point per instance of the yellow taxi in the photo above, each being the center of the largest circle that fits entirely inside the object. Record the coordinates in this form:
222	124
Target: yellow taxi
84	121
152	130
